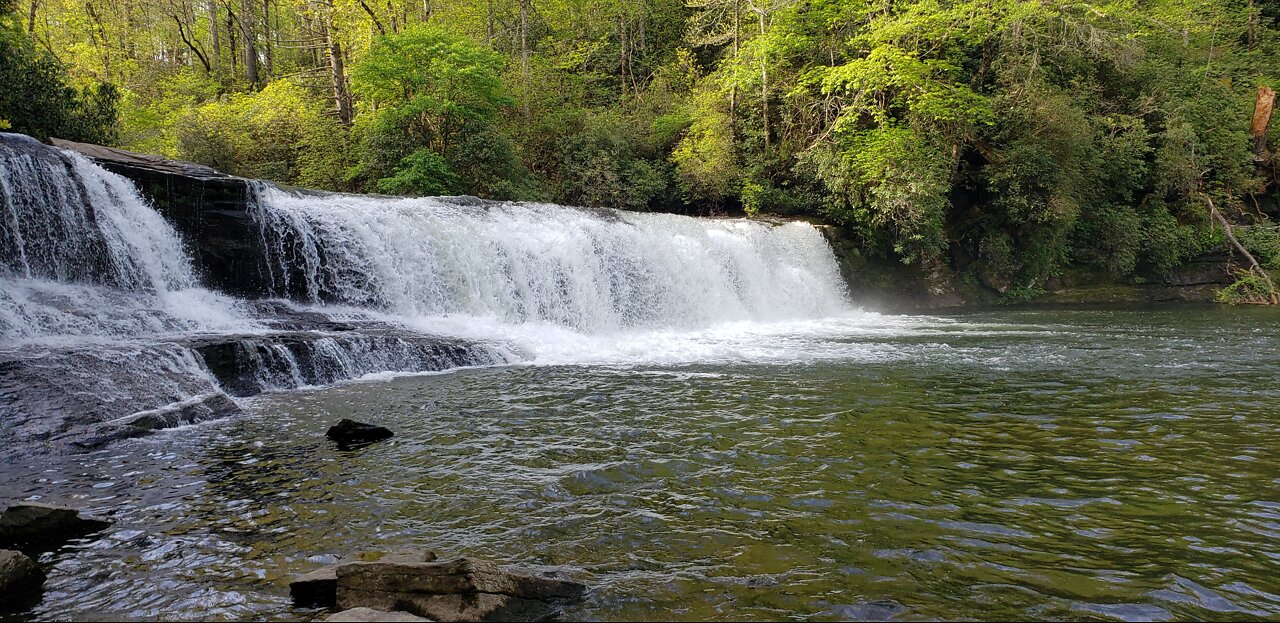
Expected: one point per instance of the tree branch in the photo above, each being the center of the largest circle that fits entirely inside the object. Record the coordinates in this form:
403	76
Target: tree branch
1231	237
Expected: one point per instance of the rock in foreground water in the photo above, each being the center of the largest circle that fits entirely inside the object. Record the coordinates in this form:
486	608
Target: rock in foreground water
18	574
36	525
350	432
463	589
375	616
319	588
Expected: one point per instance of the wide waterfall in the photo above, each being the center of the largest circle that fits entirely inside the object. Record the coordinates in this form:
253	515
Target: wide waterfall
105	321
592	271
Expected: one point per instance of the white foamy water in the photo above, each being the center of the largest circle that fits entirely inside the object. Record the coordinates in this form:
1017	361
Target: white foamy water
82	255
592	272
86	260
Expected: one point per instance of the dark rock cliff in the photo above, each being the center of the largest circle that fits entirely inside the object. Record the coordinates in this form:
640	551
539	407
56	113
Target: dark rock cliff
211	211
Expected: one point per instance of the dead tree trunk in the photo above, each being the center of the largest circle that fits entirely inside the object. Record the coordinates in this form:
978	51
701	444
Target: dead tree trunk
1272	294
1262	109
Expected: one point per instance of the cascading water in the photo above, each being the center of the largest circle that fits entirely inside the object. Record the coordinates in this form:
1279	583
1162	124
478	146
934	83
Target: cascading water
101	299
82	255
591	271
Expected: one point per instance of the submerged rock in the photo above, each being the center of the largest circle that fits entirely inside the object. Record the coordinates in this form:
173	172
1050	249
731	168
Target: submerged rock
18	574
350	432
463	589
319	588
36	525
369	614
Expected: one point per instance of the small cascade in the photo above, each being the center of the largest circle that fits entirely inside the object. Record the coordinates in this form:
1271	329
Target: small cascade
254	364
83	255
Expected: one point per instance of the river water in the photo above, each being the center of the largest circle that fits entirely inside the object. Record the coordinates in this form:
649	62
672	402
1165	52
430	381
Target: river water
1049	464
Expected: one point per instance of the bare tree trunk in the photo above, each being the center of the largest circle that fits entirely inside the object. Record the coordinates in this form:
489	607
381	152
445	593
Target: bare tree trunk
733	90
266	36
372	16
1273	294
192	45
1262	108
764	85
524	54
31	17
624	62
338	74
1253	25
213	33
231	38
250	46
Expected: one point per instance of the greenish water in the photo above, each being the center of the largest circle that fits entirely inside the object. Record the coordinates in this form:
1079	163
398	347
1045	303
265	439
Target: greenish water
1003	465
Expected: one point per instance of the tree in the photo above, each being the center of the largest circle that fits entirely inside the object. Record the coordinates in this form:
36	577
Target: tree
35	98
425	89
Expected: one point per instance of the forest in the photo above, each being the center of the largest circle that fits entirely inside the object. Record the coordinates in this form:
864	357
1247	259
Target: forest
1009	140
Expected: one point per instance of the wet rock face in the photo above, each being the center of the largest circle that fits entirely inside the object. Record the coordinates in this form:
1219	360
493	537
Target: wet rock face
72	400
211	210
248	365
32	525
19	576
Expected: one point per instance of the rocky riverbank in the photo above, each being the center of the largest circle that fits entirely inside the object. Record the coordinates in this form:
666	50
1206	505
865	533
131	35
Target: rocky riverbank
887	285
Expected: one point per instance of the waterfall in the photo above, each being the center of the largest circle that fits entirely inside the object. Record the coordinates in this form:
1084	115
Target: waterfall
591	271
107	327
82	254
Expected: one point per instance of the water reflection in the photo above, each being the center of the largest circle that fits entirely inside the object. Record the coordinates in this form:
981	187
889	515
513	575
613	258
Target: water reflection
1113	465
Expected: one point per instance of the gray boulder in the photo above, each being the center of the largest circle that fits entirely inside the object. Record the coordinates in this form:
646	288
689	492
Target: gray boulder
319	588
463	589
32	525
18	574
355	615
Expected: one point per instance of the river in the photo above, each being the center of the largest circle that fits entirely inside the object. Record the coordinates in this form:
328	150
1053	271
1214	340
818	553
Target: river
1009	464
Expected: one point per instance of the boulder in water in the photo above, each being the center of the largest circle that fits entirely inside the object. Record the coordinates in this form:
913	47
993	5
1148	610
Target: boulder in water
356	615
350	433
319	588
18	574
32	525
463	589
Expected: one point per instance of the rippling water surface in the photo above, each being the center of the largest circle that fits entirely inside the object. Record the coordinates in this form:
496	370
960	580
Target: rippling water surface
1004	465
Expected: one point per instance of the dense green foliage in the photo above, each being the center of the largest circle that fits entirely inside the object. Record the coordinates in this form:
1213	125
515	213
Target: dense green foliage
1004	139
35	98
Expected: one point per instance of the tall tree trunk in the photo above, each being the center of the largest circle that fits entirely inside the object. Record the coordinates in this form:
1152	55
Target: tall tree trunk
191	44
374	17
624	62
231	39
338	74
764	85
733	89
249	45
266	36
1253	25
524	55
31	17
489	31
1262	108
216	45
